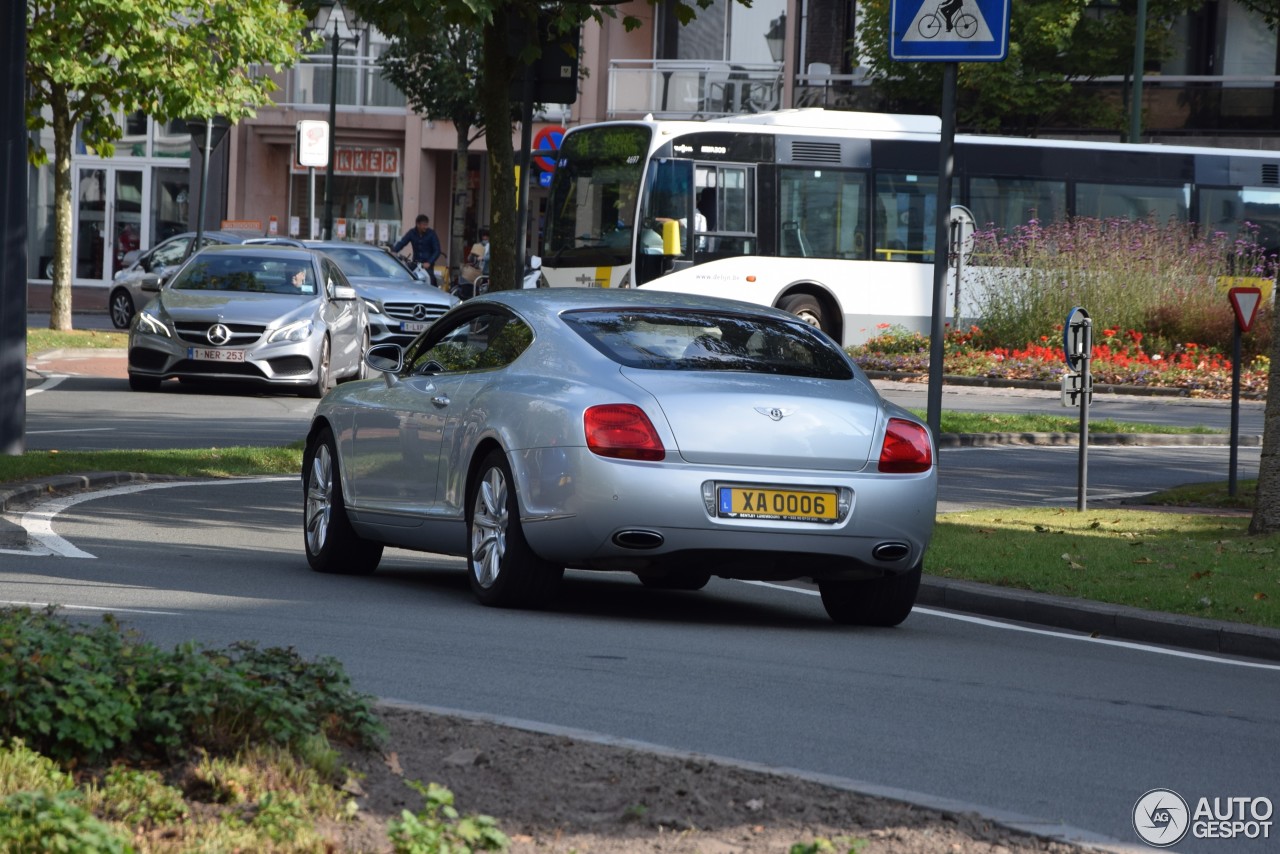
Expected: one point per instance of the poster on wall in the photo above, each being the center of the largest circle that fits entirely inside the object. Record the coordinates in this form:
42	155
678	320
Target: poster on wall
362	207
295	226
368	232
340	229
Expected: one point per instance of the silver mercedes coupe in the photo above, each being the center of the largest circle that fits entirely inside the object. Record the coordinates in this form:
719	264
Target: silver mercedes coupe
266	315
670	436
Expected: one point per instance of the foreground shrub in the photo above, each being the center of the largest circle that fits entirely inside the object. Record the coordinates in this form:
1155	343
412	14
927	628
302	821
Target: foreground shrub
41	821
439	829
88	693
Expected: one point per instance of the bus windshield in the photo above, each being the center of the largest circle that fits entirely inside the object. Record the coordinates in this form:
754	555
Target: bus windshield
592	204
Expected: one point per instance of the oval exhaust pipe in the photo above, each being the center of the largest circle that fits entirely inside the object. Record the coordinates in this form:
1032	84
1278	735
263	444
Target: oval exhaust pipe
638	539
891	551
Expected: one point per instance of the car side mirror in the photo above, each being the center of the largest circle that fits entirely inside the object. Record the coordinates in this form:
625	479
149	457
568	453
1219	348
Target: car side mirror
344	293
385	358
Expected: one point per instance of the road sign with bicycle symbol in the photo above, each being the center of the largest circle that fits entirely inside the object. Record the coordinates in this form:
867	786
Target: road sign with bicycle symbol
949	30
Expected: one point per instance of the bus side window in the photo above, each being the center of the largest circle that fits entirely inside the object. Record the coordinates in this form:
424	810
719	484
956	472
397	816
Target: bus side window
907	202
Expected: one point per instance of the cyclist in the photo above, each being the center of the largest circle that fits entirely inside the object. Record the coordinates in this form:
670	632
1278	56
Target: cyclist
948	10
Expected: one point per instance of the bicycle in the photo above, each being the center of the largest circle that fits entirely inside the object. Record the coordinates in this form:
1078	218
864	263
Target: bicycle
963	25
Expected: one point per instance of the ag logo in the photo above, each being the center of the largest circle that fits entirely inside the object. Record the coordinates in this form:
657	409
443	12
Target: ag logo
1161	818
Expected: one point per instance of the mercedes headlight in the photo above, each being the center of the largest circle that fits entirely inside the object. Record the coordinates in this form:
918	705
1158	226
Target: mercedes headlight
373	306
299	331
149	323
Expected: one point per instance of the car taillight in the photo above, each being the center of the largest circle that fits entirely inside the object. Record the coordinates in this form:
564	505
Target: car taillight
622	430
906	448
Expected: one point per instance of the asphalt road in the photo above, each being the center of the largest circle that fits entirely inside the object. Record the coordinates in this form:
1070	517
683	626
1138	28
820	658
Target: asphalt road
1056	726
1052	727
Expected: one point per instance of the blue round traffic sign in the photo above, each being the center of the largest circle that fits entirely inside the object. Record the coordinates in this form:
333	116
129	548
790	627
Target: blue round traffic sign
547	139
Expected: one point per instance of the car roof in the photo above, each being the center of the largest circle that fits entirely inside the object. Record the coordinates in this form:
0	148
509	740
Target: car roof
265	250
548	302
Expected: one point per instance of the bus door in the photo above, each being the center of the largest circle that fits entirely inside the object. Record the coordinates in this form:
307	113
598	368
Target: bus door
714	206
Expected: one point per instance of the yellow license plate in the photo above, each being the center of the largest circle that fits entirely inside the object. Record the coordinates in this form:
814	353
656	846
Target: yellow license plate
788	505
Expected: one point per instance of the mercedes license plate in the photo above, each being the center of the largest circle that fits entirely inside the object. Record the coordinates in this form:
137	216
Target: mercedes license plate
413	326
206	354
788	505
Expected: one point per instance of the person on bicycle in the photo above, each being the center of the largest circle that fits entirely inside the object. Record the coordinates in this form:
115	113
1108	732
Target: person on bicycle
426	246
948	10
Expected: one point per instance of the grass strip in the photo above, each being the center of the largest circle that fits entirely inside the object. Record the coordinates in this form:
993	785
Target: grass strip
1200	564
199	462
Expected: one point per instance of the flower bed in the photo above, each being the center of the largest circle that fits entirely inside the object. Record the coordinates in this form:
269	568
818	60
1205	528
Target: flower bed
1118	359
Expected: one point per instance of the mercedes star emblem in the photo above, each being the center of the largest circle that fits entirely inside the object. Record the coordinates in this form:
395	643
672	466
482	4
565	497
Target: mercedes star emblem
218	334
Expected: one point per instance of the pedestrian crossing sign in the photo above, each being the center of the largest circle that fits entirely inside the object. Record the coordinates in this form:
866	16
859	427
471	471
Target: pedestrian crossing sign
949	30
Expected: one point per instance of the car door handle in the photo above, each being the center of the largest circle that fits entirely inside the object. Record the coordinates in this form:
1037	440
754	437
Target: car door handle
440	401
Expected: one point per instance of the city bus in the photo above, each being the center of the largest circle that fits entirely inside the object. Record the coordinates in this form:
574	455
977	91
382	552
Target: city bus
831	214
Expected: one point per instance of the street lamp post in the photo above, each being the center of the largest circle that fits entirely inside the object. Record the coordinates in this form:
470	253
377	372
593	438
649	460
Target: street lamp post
323	13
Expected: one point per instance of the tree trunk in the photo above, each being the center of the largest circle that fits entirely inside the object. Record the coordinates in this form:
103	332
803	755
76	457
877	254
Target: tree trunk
459	242
495	104
1266	503
60	296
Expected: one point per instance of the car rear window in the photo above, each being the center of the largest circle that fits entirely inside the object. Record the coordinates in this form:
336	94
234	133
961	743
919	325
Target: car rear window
677	340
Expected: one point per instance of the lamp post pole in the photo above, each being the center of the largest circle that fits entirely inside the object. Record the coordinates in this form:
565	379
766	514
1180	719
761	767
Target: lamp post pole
1139	60
327	233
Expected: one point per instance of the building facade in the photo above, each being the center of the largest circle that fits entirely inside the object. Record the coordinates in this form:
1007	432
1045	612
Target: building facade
391	165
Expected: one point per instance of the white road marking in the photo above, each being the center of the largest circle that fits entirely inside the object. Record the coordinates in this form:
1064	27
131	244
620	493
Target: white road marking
49	382
60	607
72	430
1012	627
39	520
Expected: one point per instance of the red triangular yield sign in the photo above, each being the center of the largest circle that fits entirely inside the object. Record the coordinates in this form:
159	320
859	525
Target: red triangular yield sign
1245	302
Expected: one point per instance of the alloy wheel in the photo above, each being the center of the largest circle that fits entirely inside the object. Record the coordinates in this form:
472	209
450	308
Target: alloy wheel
489	528
319	499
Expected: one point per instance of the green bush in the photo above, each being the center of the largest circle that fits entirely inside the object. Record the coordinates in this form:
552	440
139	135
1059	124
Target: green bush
136	797
438	828
69	691
55	822
23	769
92	692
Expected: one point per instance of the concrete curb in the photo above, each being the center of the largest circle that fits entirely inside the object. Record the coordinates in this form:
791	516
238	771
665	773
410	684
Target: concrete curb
1102	619
1064	612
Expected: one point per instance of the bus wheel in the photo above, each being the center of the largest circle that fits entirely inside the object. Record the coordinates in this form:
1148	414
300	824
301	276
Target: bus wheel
806	308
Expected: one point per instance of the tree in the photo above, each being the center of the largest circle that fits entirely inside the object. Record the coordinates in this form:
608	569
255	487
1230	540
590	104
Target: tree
1051	44
436	64
1268	9
89	61
498	67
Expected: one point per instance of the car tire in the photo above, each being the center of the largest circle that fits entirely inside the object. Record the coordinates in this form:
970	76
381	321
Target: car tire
683	581
884	601
503	571
807	308
331	543
120	307
138	383
321	385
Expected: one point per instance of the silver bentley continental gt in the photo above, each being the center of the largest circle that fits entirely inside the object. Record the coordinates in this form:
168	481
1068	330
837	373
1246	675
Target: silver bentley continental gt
268	315
671	436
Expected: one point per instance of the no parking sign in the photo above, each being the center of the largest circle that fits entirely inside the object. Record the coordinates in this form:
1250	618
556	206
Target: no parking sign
547	139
